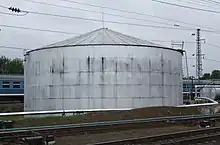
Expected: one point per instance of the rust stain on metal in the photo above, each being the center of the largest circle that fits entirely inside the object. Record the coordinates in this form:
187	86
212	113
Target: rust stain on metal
103	64
132	61
127	67
62	69
116	66
139	68
88	63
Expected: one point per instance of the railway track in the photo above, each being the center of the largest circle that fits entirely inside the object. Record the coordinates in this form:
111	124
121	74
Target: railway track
68	130
11	102
183	138
94	128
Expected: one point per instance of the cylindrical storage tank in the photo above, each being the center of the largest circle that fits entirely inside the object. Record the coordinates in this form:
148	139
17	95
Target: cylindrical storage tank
211	91
217	94
102	69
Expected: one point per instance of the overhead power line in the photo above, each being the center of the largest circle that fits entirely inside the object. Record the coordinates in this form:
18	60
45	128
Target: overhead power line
212	60
141	14
116	22
1	6
86	10
36	29
113	22
211	1
206	2
55	15
172	41
208	59
12	9
187	7
106	21
194	3
216	46
13	14
203	3
197	3
213	45
12	47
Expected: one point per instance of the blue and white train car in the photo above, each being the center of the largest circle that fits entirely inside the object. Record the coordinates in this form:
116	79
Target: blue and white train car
11	85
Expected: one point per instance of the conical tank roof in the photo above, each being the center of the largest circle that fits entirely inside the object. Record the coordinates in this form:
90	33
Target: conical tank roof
103	36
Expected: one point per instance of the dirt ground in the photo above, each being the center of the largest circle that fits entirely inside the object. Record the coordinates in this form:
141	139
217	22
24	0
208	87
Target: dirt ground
94	138
16	107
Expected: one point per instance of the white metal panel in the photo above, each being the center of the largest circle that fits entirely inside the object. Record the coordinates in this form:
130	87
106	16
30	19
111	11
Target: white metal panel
114	77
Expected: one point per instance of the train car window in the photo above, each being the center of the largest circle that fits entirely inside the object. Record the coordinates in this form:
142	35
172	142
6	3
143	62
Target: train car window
16	85
5	84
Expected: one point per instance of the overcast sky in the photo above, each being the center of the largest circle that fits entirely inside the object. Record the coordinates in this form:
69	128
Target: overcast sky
34	39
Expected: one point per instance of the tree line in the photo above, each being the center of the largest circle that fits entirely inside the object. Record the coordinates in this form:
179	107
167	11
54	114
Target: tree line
11	66
215	74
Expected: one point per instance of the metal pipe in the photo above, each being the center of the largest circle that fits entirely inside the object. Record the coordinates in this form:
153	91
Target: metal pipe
60	112
11	94
204	104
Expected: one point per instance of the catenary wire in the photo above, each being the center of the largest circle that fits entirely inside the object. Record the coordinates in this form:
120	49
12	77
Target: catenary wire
213	45
12	47
137	13
187	7
205	2
211	1
211	60
116	22
36	29
208	59
193	2
13	14
86	10
106	21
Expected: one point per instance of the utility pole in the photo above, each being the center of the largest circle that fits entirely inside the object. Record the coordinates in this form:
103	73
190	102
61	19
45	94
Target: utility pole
199	56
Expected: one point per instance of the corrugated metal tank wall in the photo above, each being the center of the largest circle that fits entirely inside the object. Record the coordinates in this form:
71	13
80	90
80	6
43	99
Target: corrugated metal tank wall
102	76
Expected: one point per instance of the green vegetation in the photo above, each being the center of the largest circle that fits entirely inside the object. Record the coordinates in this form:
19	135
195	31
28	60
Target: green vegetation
11	66
214	75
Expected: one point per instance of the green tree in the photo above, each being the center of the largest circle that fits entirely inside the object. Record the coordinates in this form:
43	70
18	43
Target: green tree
215	74
206	76
15	66
11	66
3	64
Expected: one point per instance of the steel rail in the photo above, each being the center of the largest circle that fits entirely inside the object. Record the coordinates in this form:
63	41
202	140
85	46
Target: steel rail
96	127
119	122
11	102
67	131
183	137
